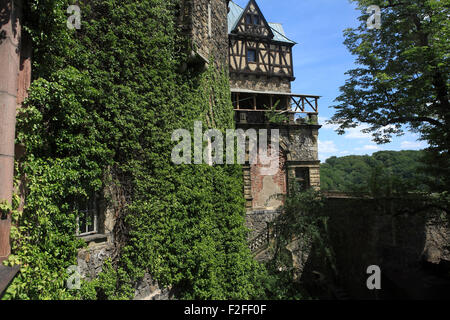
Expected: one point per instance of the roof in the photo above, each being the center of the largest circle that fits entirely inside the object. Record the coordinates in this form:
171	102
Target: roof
278	33
235	15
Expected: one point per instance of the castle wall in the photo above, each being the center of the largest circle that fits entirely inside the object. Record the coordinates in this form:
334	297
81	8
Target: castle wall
205	22
302	143
299	149
266	189
407	240
259	83
209	29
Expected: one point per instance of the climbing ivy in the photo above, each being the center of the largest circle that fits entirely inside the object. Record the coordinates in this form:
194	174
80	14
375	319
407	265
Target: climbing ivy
303	227
103	103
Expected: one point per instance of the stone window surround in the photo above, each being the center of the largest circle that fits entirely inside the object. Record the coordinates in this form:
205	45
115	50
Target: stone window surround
104	224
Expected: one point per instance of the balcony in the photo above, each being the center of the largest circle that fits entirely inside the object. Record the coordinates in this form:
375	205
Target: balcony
258	107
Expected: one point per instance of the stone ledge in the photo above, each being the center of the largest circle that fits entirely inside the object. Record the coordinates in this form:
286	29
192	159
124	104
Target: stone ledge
7	274
261	212
95	238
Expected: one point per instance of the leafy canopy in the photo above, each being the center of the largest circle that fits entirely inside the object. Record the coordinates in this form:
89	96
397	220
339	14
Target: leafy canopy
401	78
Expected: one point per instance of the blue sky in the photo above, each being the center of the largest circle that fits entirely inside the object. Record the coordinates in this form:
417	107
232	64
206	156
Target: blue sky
320	63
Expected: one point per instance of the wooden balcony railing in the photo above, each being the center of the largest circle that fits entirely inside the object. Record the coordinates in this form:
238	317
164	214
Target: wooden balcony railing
290	103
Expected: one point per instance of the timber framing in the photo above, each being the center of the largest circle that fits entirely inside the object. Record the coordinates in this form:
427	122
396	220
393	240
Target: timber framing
251	29
273	54
273	58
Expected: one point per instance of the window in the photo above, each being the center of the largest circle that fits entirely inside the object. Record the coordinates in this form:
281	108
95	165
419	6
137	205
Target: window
87	219
243	117
248	19
302	178
251	55
252	19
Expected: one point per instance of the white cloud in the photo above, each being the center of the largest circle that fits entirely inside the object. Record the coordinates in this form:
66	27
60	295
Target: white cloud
352	133
327	147
413	145
371	147
325	125
356	133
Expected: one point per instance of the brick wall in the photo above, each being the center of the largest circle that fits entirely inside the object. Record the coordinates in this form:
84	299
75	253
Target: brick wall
265	189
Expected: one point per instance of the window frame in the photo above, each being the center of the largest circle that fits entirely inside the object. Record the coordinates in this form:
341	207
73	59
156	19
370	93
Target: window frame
255	50
256	18
250	19
91	210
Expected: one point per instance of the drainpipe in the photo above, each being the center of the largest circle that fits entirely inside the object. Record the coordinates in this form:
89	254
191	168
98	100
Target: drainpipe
10	30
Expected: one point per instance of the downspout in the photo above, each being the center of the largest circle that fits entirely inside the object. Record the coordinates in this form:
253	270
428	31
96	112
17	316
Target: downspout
10	38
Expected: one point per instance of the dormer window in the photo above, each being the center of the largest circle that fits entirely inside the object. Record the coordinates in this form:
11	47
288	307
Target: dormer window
252	19
248	19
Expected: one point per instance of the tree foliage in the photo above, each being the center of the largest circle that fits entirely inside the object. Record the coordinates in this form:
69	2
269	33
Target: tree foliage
401	76
301	235
392	171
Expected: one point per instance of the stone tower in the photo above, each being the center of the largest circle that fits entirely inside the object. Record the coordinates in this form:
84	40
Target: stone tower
261	71
259	58
205	21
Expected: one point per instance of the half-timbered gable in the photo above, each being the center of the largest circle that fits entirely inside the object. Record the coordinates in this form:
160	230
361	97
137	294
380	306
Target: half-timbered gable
257	47
252	22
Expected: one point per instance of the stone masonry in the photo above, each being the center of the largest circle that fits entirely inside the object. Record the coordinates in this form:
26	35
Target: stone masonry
260	83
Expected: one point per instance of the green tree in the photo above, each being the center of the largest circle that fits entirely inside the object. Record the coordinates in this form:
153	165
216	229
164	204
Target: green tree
402	76
383	172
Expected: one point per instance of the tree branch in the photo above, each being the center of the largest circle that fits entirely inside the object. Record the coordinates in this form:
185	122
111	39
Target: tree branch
432	121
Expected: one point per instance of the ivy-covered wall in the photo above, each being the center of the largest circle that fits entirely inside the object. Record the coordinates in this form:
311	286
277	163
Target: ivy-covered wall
102	106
